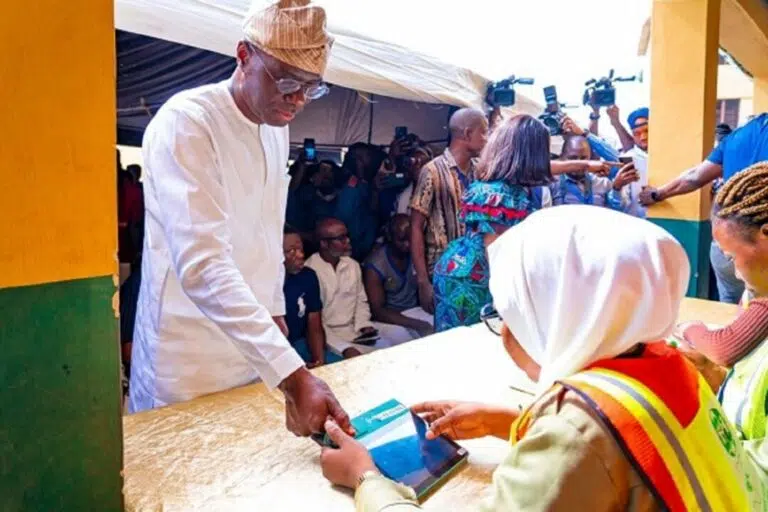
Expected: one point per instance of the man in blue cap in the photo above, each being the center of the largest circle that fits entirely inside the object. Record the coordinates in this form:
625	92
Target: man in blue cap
737	151
638	123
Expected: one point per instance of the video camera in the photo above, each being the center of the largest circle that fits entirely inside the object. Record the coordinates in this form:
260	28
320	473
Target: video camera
553	116
601	92
502	93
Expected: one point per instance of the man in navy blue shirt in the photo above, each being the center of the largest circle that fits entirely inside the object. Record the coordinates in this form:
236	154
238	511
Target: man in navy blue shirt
742	148
303	306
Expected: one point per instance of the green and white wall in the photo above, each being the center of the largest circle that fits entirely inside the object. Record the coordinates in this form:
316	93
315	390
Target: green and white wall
60	410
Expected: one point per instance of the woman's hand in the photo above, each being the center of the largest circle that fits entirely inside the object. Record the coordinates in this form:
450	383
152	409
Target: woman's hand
600	167
465	420
713	373
346	464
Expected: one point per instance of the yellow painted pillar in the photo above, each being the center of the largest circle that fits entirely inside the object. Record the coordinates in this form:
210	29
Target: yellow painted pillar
760	98
684	60
60	410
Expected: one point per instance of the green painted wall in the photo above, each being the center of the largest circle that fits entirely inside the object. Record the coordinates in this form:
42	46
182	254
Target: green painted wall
695	237
60	398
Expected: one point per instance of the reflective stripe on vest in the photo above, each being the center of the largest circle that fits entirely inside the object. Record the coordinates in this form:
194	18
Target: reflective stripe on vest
700	466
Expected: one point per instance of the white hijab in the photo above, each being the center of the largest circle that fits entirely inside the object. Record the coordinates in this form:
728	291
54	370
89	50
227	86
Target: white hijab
576	284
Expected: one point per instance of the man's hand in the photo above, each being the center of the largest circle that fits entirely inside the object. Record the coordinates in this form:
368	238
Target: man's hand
349	353
465	420
599	167
626	175
309	402
383	174
346	464
427	297
422	327
368	331
646	196
570	126
280	322
613	114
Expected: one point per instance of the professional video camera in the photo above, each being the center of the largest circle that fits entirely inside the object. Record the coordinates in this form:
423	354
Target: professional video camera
553	116
502	93
601	92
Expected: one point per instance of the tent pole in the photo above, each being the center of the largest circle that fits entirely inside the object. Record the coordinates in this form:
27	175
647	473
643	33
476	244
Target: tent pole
370	119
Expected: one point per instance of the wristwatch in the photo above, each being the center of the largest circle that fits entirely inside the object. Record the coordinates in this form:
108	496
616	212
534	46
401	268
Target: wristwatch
594	116
655	196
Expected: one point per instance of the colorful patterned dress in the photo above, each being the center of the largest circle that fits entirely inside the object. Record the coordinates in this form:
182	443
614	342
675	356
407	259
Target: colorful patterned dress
461	274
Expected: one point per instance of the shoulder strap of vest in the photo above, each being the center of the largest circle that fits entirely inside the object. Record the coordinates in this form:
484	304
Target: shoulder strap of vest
625	449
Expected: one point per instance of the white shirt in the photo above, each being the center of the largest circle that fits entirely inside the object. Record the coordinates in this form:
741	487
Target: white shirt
640	159
404	200
345	304
212	274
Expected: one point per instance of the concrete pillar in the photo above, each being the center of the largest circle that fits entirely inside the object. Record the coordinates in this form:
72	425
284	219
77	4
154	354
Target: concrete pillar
760	98
684	61
60	410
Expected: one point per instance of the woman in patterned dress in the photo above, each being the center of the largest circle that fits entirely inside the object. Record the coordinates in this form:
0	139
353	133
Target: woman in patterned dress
512	175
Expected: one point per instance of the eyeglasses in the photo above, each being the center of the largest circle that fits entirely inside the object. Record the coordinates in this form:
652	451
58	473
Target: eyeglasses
339	238
491	319
312	91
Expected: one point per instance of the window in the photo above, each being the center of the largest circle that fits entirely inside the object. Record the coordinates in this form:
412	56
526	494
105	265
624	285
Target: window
727	112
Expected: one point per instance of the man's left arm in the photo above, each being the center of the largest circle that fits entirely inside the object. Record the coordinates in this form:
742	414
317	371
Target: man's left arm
362	309
315	331
627	141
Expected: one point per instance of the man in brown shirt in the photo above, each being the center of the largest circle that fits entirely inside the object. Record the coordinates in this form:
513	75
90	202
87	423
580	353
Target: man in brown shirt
437	197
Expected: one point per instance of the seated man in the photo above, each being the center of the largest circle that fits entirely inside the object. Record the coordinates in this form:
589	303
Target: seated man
586	188
393	292
303	308
346	315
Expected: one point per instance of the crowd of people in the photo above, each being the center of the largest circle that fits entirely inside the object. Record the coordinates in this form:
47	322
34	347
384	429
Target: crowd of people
391	245
550	251
397	239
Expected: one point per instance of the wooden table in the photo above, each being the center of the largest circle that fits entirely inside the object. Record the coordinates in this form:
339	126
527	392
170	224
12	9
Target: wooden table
230	451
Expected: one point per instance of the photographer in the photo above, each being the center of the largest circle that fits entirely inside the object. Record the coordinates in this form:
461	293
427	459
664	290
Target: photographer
397	175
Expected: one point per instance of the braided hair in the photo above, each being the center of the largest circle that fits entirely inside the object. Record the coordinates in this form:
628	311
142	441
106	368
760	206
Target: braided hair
744	197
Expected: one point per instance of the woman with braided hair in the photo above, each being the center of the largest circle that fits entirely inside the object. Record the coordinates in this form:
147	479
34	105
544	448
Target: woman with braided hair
740	227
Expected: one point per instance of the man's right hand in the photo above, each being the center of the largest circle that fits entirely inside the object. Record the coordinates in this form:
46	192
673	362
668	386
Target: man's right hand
613	114
626	175
309	402
570	126
427	297
646	196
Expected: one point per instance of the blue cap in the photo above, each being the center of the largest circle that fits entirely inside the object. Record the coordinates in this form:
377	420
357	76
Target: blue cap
641	113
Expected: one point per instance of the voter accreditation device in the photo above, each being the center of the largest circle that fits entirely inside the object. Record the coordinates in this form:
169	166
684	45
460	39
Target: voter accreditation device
398	444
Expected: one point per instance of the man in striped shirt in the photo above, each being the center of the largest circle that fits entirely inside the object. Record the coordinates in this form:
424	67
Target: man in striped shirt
436	198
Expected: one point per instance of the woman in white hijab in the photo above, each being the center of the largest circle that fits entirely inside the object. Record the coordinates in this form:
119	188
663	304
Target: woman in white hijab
622	421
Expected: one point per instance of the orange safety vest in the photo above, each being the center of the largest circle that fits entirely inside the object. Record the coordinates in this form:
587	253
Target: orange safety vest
671	429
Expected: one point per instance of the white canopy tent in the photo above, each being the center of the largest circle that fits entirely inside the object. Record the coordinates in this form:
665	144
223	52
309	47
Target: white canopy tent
358	61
